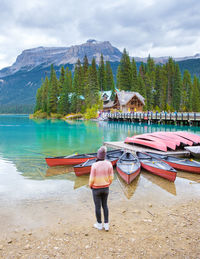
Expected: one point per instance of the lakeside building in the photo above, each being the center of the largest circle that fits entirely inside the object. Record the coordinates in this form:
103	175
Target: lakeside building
123	101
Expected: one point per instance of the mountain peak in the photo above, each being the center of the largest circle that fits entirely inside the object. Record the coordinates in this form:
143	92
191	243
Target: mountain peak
91	41
46	56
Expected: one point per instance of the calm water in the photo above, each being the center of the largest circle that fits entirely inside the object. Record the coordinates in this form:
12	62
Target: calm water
25	143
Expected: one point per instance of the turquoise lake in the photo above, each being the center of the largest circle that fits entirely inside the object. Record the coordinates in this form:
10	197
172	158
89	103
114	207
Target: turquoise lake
25	143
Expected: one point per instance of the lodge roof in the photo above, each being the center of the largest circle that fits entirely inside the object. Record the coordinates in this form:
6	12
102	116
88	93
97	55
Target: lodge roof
110	104
125	97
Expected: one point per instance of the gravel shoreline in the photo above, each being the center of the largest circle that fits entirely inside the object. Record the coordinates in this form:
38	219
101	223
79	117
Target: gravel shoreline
149	232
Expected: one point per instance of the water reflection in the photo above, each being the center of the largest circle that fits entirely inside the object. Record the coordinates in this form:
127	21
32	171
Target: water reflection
68	173
81	181
58	170
189	176
161	182
128	189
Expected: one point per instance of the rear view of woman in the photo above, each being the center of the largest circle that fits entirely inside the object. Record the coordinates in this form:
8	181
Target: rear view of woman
101	176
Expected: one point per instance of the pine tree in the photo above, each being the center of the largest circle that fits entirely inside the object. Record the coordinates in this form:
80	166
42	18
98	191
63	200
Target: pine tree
141	87
93	87
77	88
64	104
38	105
170	68
150	67
134	80
176	90
149	97
101	75
195	95
119	77
109	84
164	80
45	88
85	65
186	97
150	82
125	77
61	79
158	87
85	77
52	92
142	70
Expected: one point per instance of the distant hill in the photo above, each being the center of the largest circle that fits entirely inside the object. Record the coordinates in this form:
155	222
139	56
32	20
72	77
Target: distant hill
19	82
192	65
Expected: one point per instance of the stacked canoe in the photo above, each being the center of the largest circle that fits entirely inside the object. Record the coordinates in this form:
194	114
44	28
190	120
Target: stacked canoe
164	141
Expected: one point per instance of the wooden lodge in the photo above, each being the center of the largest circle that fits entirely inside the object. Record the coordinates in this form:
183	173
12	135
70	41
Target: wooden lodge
124	102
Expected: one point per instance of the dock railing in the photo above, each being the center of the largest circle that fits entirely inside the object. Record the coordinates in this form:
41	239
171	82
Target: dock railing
157	117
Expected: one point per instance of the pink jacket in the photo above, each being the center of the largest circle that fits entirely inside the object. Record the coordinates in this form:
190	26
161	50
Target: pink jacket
101	174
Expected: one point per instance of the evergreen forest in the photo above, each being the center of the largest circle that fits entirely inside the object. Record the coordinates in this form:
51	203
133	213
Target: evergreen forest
162	86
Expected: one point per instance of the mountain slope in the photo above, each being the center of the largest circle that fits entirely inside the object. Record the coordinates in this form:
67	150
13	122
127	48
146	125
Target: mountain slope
32	58
19	82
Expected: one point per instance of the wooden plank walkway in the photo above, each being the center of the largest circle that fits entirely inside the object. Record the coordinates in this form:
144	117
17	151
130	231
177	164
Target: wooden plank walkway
135	148
185	118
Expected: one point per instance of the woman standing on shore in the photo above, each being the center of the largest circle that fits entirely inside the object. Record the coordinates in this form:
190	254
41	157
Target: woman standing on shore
101	176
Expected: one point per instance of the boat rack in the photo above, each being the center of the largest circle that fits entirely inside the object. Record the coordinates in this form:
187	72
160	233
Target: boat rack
135	148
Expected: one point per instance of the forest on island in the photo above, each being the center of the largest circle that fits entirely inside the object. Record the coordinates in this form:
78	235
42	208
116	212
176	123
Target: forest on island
162	86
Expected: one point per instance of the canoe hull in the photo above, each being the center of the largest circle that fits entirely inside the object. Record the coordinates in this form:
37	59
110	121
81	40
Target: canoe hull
151	144
179	163
169	175
192	137
66	161
186	168
128	178
168	143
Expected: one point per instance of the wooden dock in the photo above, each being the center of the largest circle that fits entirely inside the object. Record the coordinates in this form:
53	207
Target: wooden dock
174	118
135	148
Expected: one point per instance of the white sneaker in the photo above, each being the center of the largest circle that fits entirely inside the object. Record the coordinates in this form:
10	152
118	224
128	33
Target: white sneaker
106	226
98	226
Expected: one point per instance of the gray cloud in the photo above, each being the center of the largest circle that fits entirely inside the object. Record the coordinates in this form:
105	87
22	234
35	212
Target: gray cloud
157	27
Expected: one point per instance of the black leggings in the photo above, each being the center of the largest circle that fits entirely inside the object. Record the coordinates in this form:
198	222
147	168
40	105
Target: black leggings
100	197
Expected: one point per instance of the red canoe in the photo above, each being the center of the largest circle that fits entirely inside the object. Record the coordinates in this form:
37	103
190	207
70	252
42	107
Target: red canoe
77	159
85	168
174	136
190	136
167	142
188	165
157	166
128	166
69	160
149	143
163	136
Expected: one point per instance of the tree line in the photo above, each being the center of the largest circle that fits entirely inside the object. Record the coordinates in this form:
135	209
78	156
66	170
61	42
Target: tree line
74	94
162	86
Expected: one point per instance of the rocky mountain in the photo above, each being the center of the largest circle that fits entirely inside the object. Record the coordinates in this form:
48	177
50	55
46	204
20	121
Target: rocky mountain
44	56
19	82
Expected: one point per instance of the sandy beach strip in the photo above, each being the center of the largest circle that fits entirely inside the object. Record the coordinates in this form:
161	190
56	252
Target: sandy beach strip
53	230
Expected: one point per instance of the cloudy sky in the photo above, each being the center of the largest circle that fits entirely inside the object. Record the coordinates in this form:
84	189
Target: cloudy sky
155	27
